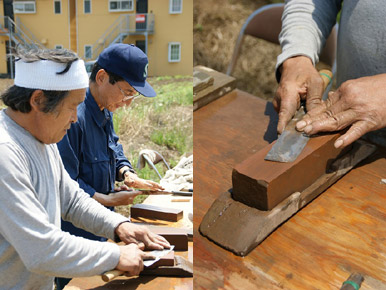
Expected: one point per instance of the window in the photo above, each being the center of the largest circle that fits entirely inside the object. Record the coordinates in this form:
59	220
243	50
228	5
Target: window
175	6
120	5
24	7
87	51
57	6
87	6
58	46
174	52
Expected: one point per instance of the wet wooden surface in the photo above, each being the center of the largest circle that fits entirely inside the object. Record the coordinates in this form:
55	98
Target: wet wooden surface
141	282
340	232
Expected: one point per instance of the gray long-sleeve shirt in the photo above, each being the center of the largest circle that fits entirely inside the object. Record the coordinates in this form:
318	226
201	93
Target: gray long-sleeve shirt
361	51
35	192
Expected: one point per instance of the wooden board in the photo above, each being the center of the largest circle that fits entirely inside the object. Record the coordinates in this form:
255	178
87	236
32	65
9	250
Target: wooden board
156	212
221	85
340	232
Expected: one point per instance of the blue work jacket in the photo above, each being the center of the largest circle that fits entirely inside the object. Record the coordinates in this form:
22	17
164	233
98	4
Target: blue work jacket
91	154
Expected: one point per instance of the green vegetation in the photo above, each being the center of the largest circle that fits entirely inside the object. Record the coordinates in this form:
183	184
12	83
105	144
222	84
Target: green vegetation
163	123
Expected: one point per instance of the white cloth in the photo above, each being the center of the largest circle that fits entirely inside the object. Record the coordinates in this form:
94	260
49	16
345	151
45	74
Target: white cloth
43	75
180	177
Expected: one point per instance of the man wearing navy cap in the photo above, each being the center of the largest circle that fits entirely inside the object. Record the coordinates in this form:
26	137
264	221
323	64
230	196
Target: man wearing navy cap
90	151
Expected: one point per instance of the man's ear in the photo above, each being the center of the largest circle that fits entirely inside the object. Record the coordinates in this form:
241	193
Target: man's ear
101	76
36	101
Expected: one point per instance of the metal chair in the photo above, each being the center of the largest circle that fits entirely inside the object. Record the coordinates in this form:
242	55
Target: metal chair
151	157
265	23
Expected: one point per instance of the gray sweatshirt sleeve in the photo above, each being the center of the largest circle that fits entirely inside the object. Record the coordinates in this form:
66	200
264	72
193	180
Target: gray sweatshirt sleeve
84	212
306	25
40	244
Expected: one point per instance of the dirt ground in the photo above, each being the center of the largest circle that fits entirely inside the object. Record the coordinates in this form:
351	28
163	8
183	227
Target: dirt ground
216	27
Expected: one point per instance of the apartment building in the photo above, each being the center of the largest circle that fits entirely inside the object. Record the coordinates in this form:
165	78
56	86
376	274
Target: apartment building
163	29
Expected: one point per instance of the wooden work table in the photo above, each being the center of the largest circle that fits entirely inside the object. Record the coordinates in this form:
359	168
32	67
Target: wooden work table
141	282
340	232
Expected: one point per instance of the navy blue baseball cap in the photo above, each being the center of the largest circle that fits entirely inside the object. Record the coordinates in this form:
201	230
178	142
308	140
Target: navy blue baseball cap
130	63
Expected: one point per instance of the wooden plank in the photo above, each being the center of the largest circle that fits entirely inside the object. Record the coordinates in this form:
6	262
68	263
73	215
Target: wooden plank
264	184
156	212
222	84
240	228
340	232
201	81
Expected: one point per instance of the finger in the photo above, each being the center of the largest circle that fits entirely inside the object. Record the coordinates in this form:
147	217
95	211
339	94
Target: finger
331	122
287	111
148	256
141	246
159	240
276	104
314	93
356	131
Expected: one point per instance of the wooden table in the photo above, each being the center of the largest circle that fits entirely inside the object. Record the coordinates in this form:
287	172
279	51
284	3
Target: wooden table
340	232
141	282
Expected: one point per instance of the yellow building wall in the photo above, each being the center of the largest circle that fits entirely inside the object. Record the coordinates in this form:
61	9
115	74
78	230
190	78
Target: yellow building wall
3	54
3	39
54	29
171	28
49	28
92	26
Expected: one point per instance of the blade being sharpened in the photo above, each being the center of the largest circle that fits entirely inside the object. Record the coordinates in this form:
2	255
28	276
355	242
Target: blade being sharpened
290	143
158	254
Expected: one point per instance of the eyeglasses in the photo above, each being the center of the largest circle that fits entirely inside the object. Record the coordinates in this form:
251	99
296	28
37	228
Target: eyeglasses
132	96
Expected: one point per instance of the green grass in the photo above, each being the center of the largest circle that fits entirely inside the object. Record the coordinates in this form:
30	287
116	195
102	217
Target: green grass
163	123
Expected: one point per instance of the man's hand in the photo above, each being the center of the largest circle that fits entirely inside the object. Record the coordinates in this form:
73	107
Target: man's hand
360	103
299	81
132	233
122	196
131	259
132	180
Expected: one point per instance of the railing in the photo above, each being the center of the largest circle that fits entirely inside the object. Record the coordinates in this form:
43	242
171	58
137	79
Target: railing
17	36
124	25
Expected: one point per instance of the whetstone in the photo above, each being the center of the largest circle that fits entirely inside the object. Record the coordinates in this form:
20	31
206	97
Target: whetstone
175	236
188	232
156	212
181	268
167	260
240	228
264	184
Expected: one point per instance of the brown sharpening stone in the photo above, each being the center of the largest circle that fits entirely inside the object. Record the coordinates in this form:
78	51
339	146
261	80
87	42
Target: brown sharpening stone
167	260
175	236
264	184
240	228
156	212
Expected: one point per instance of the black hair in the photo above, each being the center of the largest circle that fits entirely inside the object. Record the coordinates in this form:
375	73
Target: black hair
18	98
113	78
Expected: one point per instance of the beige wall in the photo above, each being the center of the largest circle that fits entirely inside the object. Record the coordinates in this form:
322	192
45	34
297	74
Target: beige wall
55	30
171	28
92	26
3	58
46	25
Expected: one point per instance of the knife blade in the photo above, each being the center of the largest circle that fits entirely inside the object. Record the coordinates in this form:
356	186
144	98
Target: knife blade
292	142
158	254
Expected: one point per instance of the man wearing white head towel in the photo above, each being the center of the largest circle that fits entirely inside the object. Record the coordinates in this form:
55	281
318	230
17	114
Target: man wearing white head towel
36	191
